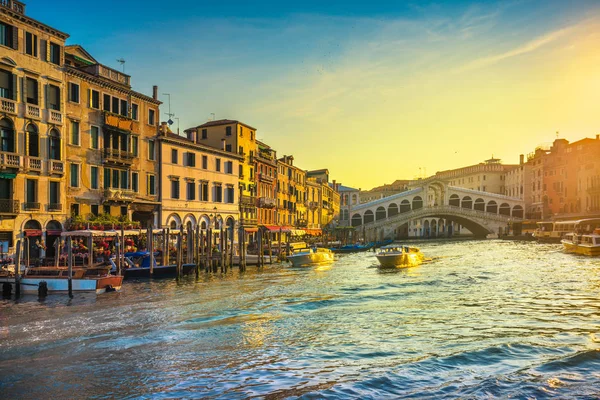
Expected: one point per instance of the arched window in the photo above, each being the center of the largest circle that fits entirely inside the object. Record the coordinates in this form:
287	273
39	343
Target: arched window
7	136
33	141
54	145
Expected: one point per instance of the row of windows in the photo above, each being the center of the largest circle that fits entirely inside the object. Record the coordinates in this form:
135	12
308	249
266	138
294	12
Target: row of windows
218	195
50	51
32	193
189	160
113	179
228	132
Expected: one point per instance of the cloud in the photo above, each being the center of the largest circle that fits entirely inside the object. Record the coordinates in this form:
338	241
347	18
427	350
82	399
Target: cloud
523	49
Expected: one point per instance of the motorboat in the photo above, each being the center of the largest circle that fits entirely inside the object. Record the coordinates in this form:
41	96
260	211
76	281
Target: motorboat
353	248
380	243
311	256
585	244
393	256
137	265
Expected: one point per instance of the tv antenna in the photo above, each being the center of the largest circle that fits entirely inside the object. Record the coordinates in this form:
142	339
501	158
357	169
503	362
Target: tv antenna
122	62
169	114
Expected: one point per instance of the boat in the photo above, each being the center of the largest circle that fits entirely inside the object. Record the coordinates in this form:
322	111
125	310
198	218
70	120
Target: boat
394	256
311	256
96	279
380	243
138	266
584	244
353	248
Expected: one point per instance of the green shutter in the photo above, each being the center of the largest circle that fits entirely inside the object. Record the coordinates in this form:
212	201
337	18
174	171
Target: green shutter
15	38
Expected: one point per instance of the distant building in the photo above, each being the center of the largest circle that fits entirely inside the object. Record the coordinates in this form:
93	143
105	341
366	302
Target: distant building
380	192
266	171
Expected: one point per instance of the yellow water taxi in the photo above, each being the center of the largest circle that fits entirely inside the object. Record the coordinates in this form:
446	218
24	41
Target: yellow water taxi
585	244
396	256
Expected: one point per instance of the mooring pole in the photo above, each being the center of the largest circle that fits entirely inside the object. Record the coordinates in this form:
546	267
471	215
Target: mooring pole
70	264
179	252
231	247
279	254
197	251
18	270
202	251
150	239
222	249
270	247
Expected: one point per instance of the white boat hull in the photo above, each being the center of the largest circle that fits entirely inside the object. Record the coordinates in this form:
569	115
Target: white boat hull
310	258
61	285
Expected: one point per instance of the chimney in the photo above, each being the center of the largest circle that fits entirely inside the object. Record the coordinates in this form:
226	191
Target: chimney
191	135
521	159
155	92
223	144
164	128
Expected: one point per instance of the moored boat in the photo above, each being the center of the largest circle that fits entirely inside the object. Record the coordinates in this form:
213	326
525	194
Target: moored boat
394	256
584	244
311	256
353	248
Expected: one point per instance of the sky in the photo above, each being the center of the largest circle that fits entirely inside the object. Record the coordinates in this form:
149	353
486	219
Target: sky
374	91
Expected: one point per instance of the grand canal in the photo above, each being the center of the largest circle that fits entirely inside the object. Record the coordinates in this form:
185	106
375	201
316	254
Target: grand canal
484	319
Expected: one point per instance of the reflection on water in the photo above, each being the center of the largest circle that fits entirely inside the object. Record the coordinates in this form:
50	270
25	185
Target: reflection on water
484	319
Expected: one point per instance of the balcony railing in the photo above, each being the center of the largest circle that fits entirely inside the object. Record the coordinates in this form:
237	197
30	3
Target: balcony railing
118	195
56	167
55	117
118	121
32	111
10	160
14	5
118	156
53	207
33	164
29	206
248	200
109	73
9	206
313	205
8	106
267	202
248	221
265	178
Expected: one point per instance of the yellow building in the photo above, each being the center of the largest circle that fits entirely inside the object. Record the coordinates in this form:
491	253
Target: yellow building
291	193
198	183
235	137
32	131
110	133
323	199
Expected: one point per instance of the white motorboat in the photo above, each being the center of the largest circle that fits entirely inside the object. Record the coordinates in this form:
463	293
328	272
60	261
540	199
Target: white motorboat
393	256
311	256
584	244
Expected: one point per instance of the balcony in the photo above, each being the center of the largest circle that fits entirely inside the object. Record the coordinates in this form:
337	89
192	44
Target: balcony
31	206
118	121
265	178
118	195
301	223
54	207
313	205
109	73
55	117
10	160
33	164
14	5
117	156
9	206
266	202
8	106
248	200
56	167
248	221
33	111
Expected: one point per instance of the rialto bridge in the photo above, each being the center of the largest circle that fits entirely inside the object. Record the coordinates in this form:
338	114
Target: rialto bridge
435	209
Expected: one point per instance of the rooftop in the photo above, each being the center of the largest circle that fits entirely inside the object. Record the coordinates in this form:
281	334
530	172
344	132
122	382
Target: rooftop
221	122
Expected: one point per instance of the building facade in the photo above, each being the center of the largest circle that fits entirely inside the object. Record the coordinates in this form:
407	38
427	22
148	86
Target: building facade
266	171
33	128
198	184
110	142
235	137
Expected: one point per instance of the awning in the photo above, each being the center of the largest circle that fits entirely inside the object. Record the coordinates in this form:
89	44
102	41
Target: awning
297	232
275	228
53	232
33	232
4	175
314	231
251	230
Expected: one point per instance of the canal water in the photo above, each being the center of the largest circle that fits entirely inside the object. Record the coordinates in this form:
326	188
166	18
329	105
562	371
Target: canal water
485	319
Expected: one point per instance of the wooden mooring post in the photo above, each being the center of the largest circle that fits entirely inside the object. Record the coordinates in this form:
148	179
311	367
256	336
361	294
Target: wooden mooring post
70	264
18	271
269	236
197	251
259	239
222	248
179	255
150	246
231	245
279	253
203	262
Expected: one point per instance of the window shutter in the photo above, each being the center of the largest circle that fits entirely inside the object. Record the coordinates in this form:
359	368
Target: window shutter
24	89
46	96
48	51
44	50
35	45
62	55
15	38
15	79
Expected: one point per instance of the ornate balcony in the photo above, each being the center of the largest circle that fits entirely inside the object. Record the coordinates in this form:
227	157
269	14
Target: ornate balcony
248	200
10	160
265	178
117	156
248	221
54	207
8	106
119	195
33	164
55	117
56	167
14	5
267	202
33	111
313	205
31	206
9	206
